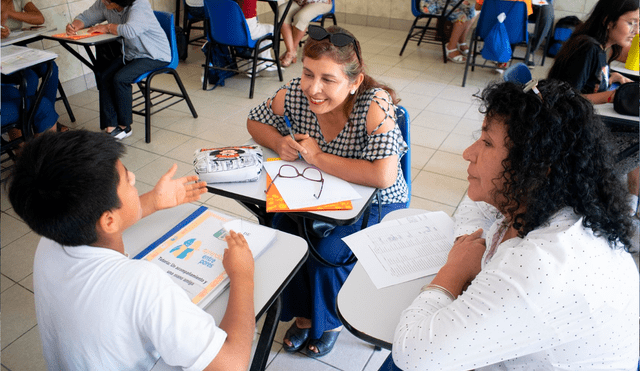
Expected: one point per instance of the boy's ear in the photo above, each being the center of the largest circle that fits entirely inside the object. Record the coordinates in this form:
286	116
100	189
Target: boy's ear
108	223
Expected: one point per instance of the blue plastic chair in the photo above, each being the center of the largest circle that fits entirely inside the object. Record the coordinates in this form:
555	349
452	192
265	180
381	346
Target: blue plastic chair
515	23
435	34
160	95
402	118
228	27
188	21
518	72
331	14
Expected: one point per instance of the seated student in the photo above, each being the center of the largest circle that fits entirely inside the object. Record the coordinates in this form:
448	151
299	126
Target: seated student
97	309
295	24
146	48
345	126
44	118
14	14
551	286
583	61
462	18
257	29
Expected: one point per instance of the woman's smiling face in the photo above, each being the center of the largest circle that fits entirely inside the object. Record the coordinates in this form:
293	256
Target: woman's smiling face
325	85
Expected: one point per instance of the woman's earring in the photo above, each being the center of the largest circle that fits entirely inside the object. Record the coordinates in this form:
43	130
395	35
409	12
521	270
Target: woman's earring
353	91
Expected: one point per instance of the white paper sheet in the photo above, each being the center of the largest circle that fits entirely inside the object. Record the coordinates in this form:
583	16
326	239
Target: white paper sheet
298	192
404	249
14	58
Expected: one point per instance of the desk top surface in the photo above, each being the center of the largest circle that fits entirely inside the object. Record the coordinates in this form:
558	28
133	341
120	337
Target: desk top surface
619	67
253	192
89	41
273	268
15	58
606	110
378	323
25	35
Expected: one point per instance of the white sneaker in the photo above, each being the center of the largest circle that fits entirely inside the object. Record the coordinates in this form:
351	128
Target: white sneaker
120	133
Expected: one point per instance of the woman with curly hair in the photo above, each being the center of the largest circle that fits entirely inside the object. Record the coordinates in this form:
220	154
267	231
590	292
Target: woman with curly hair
553	285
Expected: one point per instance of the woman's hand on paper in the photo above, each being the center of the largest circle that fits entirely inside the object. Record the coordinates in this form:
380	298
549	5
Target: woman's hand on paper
4	32
463	263
238	259
311	150
288	148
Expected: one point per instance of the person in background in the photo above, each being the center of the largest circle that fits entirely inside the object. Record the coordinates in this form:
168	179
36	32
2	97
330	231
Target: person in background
14	14
461	18
144	48
97	309
257	29
583	61
345	125
295	25
540	276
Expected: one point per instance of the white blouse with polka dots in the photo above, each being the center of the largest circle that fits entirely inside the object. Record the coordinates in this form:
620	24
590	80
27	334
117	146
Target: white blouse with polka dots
558	299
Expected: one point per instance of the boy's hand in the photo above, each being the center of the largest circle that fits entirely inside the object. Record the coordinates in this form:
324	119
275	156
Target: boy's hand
238	259
173	192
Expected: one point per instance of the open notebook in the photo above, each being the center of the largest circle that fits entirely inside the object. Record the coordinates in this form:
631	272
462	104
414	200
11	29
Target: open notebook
191	252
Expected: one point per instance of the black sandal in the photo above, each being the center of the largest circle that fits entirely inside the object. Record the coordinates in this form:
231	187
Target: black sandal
324	345
298	337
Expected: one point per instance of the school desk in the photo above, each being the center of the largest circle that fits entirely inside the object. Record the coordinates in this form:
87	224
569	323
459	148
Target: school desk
274	268
378	322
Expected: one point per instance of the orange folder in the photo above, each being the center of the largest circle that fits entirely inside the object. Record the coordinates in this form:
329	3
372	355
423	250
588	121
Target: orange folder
275	203
76	37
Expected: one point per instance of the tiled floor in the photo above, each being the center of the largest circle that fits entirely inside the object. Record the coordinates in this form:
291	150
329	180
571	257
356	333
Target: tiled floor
443	120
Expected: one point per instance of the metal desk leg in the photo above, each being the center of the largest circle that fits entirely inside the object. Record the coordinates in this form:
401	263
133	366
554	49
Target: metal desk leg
266	336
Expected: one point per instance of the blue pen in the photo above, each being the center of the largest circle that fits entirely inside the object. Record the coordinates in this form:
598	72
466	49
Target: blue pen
286	119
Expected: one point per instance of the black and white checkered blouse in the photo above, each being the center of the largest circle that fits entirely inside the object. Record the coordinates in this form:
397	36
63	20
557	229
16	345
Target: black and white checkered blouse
352	142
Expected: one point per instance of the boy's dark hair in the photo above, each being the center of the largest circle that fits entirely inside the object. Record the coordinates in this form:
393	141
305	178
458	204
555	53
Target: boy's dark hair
123	3
63	182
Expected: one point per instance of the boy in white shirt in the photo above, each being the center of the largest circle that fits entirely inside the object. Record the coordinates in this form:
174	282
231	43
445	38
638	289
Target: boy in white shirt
96	308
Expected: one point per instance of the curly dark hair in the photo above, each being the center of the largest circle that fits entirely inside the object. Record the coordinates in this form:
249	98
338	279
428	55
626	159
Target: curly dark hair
559	156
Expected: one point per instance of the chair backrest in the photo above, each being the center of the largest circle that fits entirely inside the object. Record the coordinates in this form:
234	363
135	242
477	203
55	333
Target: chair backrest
518	72
227	25
332	11
166	22
415	8
402	118
515	23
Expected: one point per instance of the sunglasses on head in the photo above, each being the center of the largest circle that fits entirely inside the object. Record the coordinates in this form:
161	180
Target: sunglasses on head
338	39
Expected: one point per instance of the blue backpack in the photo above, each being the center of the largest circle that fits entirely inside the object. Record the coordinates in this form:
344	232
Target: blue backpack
220	57
563	30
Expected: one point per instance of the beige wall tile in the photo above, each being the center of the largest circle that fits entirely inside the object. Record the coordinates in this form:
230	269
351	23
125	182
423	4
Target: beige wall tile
379	8
357	7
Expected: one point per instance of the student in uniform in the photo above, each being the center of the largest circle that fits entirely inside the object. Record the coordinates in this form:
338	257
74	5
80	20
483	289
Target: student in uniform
97	309
145	47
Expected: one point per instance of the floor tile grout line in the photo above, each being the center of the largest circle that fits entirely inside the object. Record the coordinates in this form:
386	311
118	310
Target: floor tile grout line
16	339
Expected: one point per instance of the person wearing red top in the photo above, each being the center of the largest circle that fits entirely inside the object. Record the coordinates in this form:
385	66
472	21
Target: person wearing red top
257	30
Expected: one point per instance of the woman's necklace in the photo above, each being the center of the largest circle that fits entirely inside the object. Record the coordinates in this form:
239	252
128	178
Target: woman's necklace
504	227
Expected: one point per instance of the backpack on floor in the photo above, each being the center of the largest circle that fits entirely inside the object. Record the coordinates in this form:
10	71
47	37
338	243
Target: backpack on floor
561	33
220	57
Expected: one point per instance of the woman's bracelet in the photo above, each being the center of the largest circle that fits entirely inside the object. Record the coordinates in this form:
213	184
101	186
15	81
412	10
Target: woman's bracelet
435	287
611	96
